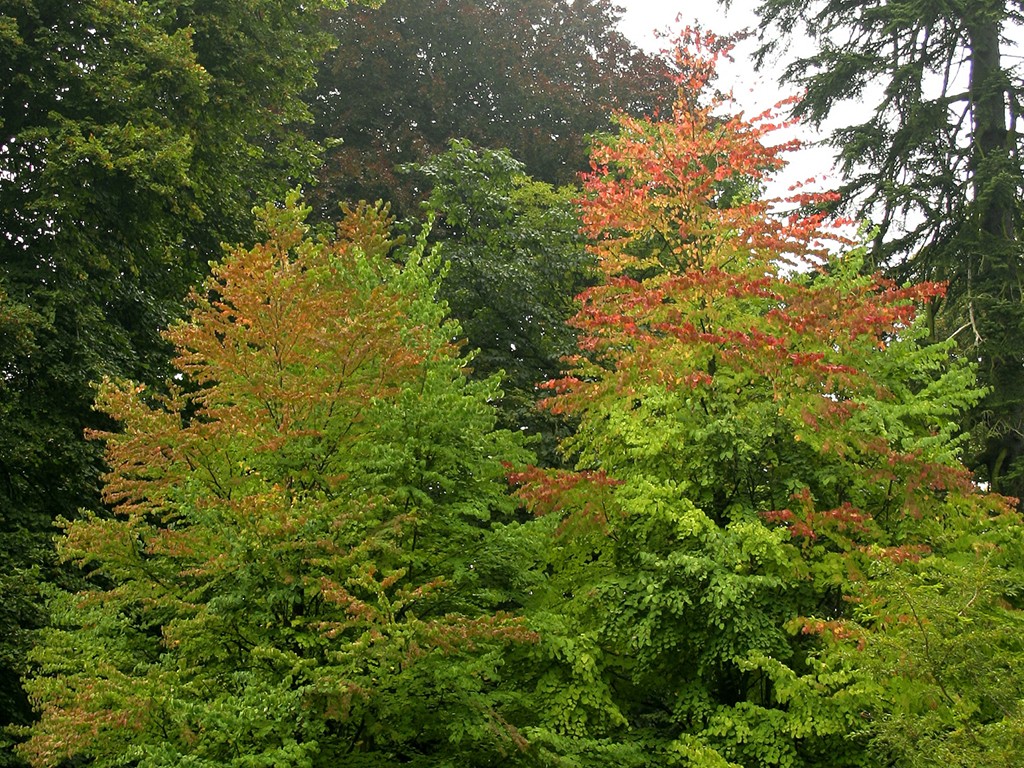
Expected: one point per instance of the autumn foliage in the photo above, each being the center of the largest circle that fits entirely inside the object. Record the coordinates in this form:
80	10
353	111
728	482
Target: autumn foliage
290	560
765	450
724	305
762	549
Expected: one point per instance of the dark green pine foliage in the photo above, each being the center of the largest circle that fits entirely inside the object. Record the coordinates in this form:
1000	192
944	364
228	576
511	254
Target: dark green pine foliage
134	139
516	261
936	166
532	76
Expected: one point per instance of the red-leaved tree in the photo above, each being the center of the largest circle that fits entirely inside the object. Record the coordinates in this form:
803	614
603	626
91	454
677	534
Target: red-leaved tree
765	450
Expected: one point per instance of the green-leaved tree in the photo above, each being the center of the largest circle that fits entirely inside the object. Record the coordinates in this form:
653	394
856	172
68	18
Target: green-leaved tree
768	553
304	565
516	262
134	139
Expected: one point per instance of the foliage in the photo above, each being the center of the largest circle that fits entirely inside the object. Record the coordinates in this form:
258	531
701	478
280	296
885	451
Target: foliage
532	76
134	139
302	566
761	548
937	165
765	455
944	654
516	263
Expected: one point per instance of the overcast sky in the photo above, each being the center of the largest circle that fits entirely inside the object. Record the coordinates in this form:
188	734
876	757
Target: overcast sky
643	16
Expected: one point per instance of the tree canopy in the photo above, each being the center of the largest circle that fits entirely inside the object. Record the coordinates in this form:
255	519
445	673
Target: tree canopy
767	511
301	566
299	523
134	139
516	262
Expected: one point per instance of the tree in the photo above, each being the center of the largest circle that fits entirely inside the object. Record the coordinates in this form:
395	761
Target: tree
134	139
766	457
937	167
304	564
516	263
532	77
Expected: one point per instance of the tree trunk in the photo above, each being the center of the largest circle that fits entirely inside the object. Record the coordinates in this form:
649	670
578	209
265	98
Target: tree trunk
991	141
992	253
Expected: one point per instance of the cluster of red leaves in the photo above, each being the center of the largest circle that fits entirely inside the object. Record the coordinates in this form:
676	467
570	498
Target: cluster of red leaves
88	724
907	553
453	636
665	177
582	496
789	335
836	629
262	331
659	201
811	524
275	357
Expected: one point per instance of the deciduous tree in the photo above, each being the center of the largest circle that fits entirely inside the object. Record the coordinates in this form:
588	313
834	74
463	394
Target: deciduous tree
534	77
134	139
304	565
766	457
516	261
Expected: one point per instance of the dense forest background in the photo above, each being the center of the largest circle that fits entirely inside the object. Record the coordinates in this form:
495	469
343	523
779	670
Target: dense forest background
571	449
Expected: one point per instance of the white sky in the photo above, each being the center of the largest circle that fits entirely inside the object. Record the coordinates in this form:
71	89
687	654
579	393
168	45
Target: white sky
643	16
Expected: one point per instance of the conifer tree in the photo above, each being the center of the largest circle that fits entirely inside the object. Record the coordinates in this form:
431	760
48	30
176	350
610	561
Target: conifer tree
936	166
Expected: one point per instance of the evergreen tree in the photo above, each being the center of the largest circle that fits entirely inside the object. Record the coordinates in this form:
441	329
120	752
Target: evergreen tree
937	167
